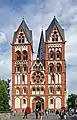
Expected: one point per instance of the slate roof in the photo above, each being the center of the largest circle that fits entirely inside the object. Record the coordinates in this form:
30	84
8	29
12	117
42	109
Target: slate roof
52	24
41	49
27	31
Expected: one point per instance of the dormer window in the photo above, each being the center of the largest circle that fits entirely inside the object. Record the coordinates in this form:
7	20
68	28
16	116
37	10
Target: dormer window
56	37
21	38
55	32
21	34
21	30
52	37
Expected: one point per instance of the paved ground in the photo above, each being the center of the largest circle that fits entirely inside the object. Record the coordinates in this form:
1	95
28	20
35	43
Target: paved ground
19	116
73	118
32	117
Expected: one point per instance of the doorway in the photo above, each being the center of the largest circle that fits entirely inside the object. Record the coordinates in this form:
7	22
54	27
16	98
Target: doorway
38	103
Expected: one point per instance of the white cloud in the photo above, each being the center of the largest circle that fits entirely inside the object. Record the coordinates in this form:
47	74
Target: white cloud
5	65
2	38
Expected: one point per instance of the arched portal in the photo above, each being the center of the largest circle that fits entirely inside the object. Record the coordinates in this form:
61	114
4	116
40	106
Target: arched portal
38	103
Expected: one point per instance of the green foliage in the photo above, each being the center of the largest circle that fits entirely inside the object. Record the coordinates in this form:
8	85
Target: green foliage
4	95
71	100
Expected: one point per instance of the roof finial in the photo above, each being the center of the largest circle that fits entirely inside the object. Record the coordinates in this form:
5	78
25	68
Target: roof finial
23	17
54	16
42	28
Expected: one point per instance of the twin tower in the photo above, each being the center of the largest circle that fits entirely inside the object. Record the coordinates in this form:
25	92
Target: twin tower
39	83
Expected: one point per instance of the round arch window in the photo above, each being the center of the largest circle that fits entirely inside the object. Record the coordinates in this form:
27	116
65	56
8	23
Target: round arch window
24	101
51	101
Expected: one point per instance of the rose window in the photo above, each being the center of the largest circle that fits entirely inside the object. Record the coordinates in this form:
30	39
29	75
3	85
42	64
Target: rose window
38	77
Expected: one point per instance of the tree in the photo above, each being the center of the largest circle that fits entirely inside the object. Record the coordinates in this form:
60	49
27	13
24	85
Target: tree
71	100
4	95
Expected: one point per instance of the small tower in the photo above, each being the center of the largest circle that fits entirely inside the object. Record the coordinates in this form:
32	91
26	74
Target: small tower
22	52
55	65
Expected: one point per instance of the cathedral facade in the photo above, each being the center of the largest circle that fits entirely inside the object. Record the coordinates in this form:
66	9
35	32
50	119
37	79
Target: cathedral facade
39	83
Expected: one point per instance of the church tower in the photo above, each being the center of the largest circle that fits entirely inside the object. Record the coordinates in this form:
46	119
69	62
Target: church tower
22	52
55	66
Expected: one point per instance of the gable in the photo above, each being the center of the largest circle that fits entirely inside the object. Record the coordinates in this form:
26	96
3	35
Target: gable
37	65
54	35
53	24
27	32
20	37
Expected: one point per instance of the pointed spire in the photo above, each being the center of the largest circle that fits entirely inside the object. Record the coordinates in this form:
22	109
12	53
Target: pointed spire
56	23
40	53
42	36
27	30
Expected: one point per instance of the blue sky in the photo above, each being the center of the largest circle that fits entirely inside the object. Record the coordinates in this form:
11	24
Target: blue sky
14	3
38	13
